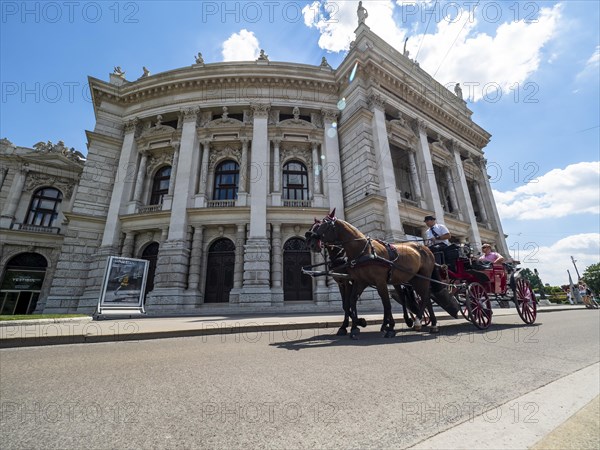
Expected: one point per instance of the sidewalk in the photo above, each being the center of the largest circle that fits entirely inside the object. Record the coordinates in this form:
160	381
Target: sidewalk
25	333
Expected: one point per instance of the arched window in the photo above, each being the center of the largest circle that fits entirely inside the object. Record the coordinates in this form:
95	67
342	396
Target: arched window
295	181
44	207
22	283
296	285
227	177
160	185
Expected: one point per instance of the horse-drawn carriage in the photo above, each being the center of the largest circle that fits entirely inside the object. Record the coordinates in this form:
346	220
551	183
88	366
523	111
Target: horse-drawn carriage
356	261
476	283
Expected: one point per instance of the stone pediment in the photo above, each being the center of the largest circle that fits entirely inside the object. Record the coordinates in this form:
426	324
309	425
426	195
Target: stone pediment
399	130
228	122
37	180
53	160
297	123
158	131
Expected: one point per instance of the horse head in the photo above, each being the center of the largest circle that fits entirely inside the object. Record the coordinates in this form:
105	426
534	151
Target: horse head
322	232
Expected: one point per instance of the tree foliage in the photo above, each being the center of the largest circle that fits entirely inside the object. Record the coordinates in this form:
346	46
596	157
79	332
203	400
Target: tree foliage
591	276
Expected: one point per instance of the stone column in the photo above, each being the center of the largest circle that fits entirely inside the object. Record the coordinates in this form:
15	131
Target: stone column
494	218
174	255
316	163
480	204
141	175
242	198
14	195
451	189
414	176
202	183
128	245
474	236
332	164
385	170
257	247
240	238
196	259
276	166
174	169
429	186
3	173
122	187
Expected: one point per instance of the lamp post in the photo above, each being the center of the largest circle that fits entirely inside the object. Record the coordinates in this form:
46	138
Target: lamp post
574	261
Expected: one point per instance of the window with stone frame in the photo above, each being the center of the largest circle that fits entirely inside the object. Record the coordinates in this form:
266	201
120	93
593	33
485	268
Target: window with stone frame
402	173
227	176
443	188
160	185
295	181
413	233
43	209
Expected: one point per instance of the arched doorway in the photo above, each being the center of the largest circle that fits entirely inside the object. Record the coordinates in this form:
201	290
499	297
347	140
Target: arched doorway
22	283
150	254
219	273
296	285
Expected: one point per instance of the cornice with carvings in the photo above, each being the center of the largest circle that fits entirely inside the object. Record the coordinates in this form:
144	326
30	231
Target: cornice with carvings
37	180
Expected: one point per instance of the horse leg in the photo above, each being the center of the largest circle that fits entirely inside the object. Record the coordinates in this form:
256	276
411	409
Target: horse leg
388	318
342	331
421	287
401	298
357	289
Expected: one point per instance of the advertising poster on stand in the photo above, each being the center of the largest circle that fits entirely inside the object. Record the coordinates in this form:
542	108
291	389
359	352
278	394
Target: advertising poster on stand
124	285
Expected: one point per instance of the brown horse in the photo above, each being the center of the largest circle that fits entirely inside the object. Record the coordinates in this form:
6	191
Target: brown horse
371	264
336	261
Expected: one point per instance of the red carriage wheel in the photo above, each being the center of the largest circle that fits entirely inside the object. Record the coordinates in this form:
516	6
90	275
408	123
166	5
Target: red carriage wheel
525	301
479	306
455	291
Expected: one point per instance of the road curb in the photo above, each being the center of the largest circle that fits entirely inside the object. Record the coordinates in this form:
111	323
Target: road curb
216	327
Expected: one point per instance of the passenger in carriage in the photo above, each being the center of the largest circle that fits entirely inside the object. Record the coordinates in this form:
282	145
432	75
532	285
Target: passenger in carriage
489	255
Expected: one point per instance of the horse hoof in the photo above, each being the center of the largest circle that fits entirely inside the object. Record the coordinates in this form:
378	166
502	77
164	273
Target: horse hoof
409	323
362	322
342	332
354	333
390	334
383	328
434	329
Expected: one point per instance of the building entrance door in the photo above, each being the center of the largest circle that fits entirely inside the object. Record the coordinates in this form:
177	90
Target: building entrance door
219	272
296	285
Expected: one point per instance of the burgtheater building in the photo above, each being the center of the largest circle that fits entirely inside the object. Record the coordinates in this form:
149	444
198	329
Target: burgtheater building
214	172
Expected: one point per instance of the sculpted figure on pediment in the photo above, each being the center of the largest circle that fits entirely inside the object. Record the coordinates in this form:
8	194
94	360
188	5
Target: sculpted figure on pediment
37	180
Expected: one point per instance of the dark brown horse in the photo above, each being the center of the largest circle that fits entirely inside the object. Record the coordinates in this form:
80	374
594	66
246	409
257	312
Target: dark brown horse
336	261
371	263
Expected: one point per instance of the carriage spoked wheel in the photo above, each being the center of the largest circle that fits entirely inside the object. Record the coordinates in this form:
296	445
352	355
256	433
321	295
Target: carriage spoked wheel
455	291
525	301
479	306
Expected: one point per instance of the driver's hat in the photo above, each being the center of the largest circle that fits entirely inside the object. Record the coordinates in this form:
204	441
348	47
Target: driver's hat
428	218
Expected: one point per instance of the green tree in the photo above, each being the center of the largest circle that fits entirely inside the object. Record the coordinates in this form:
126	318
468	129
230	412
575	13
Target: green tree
534	279
591	276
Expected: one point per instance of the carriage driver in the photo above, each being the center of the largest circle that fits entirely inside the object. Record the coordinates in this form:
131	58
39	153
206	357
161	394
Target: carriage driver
437	235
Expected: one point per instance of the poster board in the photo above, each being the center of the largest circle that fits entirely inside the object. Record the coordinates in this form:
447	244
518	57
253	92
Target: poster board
124	286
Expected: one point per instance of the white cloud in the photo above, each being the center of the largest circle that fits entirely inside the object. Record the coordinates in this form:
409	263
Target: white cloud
551	195
591	66
242	46
336	21
553	261
456	51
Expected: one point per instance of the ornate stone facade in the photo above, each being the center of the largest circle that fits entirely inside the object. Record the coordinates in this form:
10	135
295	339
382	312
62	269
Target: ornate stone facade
215	172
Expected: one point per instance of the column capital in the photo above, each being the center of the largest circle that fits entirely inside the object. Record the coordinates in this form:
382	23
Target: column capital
329	115
376	101
133	126
190	114
276	141
260	109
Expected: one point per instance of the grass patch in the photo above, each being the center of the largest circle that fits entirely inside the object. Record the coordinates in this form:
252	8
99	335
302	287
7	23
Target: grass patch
41	316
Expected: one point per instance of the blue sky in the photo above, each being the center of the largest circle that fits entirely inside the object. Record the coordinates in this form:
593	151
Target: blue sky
533	68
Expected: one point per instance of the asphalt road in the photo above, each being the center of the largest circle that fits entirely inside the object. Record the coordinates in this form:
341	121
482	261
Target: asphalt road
295	389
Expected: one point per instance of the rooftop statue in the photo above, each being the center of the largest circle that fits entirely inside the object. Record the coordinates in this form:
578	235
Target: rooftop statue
362	13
